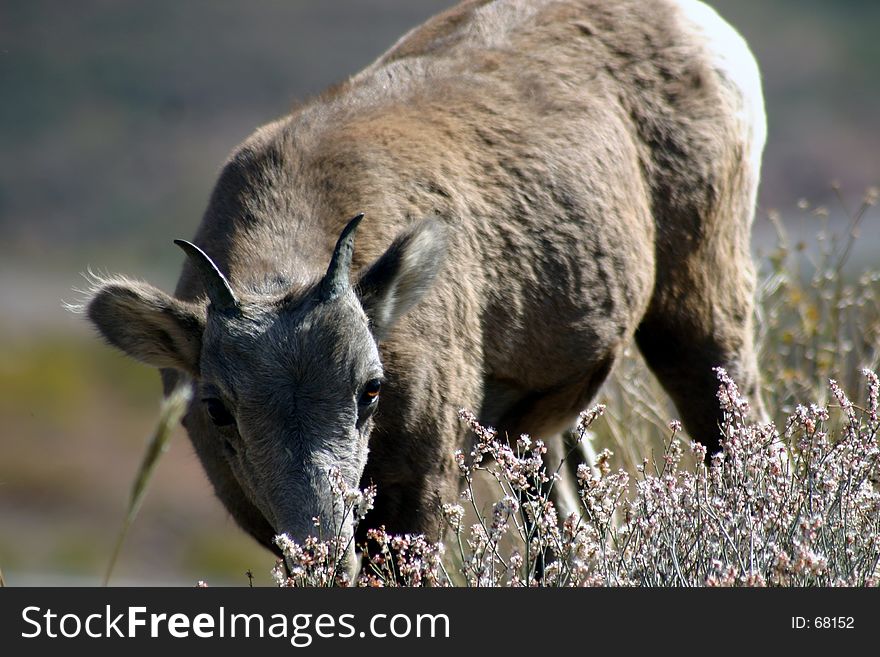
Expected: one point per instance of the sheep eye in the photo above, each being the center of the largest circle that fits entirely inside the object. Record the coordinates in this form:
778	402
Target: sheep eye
370	393
217	411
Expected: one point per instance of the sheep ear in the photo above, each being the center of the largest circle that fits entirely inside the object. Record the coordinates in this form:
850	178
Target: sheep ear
402	275
148	324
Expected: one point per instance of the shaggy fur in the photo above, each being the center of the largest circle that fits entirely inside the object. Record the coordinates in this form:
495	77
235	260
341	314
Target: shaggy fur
589	168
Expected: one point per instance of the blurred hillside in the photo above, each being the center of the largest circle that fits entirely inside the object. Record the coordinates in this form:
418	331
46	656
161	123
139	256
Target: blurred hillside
819	62
115	118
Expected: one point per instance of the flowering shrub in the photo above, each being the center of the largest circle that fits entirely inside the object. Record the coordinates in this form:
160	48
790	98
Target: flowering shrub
798	507
321	561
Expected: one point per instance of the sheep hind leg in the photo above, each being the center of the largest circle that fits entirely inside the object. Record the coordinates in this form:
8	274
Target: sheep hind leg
683	342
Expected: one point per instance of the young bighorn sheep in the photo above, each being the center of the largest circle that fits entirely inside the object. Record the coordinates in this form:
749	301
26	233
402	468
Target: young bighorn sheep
541	181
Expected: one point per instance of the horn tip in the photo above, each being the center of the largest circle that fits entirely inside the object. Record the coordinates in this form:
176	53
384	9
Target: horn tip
219	292
186	246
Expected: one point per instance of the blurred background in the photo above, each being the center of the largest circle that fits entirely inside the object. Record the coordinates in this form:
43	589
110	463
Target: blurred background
114	120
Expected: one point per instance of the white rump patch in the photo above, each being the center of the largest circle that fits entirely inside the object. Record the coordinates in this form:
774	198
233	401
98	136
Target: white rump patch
732	59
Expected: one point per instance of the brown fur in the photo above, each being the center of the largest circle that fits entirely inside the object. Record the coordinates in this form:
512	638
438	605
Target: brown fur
596	177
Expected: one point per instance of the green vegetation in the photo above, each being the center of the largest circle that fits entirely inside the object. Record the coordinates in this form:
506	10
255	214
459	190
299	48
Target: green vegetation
172	410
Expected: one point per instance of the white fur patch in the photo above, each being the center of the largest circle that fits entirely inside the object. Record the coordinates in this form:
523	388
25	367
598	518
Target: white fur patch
733	60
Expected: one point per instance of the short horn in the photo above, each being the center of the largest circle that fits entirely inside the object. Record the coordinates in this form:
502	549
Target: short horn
216	285
336	279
